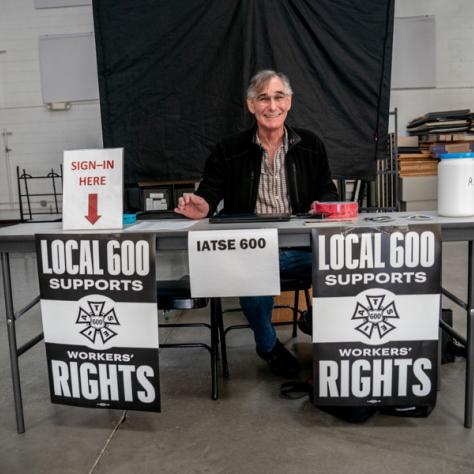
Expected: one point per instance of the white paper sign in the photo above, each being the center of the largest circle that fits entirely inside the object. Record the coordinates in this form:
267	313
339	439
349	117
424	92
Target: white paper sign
234	263
93	189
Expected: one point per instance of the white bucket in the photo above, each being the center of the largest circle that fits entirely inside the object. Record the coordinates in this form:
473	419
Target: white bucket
456	185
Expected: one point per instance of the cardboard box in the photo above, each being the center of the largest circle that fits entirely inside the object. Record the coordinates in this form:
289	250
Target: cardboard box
407	206
403	140
419	188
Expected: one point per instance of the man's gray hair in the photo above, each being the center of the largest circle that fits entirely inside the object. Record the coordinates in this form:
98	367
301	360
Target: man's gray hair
262	78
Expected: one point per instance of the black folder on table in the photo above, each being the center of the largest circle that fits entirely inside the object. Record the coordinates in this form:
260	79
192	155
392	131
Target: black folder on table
248	218
440	116
158	214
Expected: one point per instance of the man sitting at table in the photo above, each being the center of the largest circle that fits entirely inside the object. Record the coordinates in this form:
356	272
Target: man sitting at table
270	168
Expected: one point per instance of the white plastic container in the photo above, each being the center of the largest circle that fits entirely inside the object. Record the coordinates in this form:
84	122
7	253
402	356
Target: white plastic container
456	185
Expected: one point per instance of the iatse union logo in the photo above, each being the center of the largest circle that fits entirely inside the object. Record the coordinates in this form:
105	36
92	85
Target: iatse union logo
98	319
375	316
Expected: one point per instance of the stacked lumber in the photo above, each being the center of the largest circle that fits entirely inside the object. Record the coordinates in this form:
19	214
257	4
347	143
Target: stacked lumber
415	159
431	135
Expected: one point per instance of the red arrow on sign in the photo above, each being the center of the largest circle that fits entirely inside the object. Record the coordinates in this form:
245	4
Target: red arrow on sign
92	216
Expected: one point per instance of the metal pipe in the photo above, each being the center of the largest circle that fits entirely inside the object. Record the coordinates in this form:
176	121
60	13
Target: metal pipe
454	298
30	344
54	175
26	308
452	332
20	196
27	191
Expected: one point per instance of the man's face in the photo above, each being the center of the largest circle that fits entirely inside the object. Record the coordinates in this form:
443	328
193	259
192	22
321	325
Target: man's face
271	105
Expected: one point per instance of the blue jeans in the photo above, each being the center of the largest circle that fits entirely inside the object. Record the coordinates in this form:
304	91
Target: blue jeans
258	309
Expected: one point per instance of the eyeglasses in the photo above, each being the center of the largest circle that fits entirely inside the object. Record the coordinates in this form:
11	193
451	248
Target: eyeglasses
266	99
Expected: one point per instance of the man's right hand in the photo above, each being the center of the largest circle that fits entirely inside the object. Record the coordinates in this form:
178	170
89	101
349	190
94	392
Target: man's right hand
192	206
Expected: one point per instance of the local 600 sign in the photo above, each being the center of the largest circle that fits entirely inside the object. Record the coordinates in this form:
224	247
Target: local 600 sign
98	305
376	312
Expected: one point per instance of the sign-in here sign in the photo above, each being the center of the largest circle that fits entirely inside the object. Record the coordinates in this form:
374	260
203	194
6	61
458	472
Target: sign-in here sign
92	190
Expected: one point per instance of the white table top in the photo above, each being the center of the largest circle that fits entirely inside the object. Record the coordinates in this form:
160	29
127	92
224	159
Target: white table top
296	231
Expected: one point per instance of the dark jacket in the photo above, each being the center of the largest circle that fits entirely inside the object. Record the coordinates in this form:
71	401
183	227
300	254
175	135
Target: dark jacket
232	172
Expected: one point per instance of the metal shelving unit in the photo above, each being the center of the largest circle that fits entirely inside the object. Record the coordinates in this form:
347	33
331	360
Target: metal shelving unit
52	183
382	194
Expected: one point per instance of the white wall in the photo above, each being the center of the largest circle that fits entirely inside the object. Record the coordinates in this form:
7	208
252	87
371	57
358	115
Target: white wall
38	136
454	60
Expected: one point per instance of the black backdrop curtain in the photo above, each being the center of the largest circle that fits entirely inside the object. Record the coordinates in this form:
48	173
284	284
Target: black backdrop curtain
173	76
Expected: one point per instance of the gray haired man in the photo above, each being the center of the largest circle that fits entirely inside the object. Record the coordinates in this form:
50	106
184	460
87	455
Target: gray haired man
270	168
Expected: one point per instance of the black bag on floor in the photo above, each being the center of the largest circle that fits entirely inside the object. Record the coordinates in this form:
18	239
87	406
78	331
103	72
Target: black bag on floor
450	348
294	390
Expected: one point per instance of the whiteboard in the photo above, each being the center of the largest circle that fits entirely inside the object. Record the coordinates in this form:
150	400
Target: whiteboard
414	53
68	68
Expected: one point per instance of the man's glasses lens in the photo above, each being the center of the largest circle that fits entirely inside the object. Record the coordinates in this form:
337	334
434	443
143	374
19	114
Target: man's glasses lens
266	99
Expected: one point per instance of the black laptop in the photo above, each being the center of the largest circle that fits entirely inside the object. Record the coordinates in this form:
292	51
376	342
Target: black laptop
248	218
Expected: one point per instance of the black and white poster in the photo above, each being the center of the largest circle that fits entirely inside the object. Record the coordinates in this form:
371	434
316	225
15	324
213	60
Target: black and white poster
376	309
100	319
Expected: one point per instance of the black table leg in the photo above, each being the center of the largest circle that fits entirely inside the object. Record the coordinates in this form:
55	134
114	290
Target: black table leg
225	365
214	343
11	329
469	388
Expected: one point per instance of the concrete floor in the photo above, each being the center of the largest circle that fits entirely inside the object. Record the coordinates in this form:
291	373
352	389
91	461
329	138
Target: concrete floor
250	429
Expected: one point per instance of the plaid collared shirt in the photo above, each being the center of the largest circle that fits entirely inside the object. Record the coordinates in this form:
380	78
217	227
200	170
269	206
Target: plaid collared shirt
272	195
